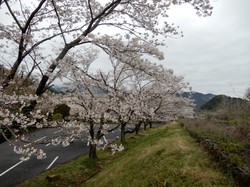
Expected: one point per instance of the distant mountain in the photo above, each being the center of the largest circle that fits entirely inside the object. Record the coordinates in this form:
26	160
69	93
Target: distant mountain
223	101
199	98
65	88
58	89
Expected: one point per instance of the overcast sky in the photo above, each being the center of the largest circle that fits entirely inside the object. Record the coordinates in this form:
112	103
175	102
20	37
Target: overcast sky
214	54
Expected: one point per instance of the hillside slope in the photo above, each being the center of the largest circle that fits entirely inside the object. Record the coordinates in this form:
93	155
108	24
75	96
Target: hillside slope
199	98
164	156
222	101
167	156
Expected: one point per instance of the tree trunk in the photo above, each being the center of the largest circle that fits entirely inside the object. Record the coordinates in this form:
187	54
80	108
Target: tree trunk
123	133
11	74
28	109
138	126
92	145
42	85
92	151
145	126
150	124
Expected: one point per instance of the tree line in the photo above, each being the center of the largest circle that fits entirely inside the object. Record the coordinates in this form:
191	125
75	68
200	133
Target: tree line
63	39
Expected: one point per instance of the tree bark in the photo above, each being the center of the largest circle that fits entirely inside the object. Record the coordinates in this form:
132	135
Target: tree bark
150	124
92	151
138	126
28	109
123	133
92	145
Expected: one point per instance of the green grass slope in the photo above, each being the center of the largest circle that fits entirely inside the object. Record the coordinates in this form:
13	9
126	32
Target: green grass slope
165	156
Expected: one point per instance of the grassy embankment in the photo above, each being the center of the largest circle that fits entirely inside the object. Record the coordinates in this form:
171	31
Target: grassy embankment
228	143
166	156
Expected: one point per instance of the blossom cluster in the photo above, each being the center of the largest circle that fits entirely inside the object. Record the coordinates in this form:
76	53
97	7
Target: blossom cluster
27	152
62	39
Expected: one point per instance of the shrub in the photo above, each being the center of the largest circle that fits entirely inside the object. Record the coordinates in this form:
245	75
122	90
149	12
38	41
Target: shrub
62	109
57	117
233	122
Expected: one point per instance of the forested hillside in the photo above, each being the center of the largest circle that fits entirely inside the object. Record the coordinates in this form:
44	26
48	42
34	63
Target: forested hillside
220	101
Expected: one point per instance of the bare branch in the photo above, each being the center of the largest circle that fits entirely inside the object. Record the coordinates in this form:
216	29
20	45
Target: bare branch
59	22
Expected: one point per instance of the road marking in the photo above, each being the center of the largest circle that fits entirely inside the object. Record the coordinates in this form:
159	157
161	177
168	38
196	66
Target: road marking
37	140
52	163
11	168
21	160
58	131
40	139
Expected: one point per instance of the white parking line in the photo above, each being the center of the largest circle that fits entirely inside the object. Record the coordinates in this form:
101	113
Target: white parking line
52	163
40	139
37	140
11	168
47	144
58	131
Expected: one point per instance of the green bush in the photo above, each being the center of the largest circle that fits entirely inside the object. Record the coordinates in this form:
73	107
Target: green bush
62	109
57	117
233	122
208	117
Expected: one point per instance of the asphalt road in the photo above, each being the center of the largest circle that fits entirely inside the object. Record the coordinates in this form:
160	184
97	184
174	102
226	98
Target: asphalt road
13	171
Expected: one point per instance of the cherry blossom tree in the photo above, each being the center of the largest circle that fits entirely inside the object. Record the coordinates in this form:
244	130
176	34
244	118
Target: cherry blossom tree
132	92
88	97
73	23
137	93
52	36
125	97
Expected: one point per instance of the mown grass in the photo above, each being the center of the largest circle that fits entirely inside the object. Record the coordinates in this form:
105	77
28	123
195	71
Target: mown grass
166	156
74	173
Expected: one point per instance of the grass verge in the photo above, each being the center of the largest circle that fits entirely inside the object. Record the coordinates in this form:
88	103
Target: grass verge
165	156
223	142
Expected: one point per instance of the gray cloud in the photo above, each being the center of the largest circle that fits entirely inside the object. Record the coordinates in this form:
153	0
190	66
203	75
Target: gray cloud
214	54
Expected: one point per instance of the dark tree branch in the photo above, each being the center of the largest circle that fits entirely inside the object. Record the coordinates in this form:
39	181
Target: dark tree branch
59	22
